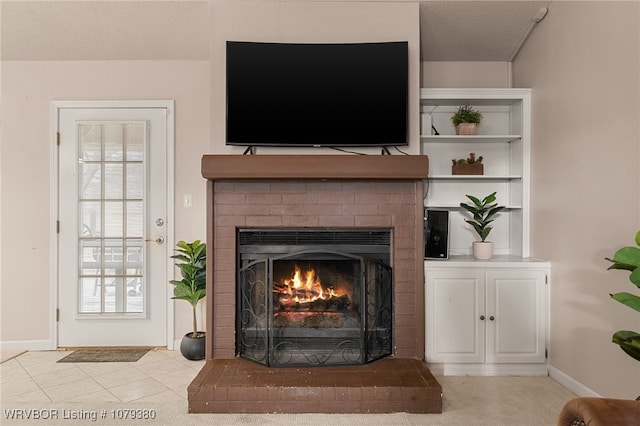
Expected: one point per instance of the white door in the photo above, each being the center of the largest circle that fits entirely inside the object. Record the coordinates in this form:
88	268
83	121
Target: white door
515	309
455	326
113	207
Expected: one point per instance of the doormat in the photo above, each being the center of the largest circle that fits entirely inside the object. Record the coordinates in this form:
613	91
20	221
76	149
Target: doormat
105	355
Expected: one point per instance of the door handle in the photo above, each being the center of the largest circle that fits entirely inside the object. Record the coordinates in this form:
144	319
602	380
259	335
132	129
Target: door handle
158	240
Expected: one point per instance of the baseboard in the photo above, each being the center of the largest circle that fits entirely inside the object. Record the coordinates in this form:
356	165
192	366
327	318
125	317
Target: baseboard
27	345
572	384
447	369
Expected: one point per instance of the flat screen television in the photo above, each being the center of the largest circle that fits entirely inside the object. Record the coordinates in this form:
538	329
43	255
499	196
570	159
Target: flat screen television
317	94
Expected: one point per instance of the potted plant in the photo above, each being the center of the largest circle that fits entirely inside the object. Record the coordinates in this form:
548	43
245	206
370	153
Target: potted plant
192	287
483	212
467	166
628	258
592	410
466	120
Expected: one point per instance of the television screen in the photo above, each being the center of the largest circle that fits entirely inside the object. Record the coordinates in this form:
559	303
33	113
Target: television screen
336	95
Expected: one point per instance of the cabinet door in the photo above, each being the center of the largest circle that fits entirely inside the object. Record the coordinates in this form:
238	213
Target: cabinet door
515	316
454	305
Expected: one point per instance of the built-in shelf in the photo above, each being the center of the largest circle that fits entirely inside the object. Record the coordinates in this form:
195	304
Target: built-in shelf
470	138
503	143
457	206
475	177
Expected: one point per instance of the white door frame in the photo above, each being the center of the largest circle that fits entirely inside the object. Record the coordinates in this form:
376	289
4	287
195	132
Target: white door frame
55	107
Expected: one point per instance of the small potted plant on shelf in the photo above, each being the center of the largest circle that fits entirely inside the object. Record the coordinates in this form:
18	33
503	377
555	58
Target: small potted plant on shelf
466	120
482	212
471	165
192	287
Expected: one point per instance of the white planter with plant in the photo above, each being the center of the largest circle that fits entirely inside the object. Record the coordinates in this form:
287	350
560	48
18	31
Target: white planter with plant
466	120
192	288
482	212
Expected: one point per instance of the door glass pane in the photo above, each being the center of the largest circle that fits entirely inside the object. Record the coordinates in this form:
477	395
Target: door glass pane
91	180
90	219
111	211
113	219
113	181
113	142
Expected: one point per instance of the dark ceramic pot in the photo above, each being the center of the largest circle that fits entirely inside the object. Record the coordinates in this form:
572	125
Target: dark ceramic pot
192	348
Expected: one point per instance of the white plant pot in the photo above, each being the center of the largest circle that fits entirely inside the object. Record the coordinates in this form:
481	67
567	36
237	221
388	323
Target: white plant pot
482	250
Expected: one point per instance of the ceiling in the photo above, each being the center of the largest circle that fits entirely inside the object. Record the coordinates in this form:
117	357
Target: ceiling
474	30
451	30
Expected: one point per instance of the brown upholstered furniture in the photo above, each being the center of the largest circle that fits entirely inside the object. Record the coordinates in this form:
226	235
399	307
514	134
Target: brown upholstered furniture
600	412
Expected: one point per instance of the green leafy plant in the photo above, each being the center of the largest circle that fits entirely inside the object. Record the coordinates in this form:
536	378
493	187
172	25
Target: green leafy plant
192	287
483	212
628	258
466	114
471	159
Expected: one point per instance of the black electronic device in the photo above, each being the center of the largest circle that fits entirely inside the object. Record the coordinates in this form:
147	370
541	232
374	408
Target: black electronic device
436	234
317	94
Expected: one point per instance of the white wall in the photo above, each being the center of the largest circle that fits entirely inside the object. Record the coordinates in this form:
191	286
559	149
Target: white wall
78	50
583	65
312	22
466	74
27	89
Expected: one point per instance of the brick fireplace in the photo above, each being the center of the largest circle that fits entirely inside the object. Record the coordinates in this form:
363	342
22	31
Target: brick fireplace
315	192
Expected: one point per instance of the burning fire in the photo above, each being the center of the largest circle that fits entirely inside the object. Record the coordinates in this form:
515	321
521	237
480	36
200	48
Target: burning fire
304	288
302	301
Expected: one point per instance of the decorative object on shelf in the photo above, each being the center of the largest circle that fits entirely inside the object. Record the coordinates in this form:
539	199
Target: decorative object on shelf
192	287
628	258
483	213
466	120
467	166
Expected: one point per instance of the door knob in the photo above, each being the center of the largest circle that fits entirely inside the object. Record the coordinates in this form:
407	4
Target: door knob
481	317
158	240
491	318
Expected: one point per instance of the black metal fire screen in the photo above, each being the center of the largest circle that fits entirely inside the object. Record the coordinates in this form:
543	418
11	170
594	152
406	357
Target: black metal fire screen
314	307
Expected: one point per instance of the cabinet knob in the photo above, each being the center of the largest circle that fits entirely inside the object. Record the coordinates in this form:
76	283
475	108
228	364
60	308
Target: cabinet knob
491	317
481	317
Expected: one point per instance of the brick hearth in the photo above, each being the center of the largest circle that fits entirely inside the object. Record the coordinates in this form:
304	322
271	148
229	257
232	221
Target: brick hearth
314	192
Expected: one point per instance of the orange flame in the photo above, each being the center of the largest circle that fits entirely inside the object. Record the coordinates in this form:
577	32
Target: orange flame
304	287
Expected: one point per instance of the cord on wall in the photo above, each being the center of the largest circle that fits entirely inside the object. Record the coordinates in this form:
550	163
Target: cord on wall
537	18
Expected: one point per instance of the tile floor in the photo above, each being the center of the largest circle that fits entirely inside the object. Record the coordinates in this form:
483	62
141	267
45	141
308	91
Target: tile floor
159	380
159	376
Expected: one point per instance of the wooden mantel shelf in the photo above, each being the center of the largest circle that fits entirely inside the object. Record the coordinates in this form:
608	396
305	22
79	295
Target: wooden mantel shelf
379	167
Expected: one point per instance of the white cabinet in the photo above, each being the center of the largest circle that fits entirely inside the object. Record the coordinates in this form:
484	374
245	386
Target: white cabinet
486	317
503	141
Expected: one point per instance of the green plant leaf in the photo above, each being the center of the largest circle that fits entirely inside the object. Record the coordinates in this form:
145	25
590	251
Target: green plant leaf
634	277
629	341
475	200
631	300
627	256
489	198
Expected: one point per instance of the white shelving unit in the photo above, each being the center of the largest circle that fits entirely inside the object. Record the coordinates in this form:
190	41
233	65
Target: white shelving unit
503	141
484	317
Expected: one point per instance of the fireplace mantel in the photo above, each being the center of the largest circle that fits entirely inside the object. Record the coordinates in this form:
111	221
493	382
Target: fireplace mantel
379	167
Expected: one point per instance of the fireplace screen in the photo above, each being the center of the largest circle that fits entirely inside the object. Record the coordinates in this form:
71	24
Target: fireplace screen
314	307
